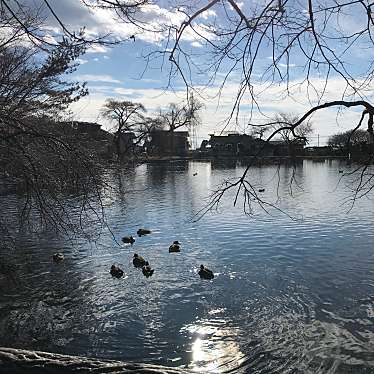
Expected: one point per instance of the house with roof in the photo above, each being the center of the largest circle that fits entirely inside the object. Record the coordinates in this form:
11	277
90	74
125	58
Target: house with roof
235	145
168	143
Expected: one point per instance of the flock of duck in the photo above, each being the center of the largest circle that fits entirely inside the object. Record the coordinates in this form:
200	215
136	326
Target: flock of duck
140	262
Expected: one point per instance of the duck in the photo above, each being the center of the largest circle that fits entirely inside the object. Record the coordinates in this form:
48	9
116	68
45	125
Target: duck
147	271
175	247
58	257
142	232
341	171
116	271
205	273
261	190
128	240
138	261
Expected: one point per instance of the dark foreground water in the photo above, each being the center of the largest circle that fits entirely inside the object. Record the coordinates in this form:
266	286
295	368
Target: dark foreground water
289	296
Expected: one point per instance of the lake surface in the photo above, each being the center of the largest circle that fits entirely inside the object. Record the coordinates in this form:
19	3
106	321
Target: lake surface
293	293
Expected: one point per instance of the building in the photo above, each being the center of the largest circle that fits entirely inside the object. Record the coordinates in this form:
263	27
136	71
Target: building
168	143
235	144
242	145
323	151
90	135
90	128
127	144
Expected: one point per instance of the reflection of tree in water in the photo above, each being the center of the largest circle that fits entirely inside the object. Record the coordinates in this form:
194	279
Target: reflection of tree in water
224	163
122	179
158	172
290	174
45	305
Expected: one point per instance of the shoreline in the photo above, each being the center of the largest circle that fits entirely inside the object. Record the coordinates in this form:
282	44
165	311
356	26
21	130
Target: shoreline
269	159
17	361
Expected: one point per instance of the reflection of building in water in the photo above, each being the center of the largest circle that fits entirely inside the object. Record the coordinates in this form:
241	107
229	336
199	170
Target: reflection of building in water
214	348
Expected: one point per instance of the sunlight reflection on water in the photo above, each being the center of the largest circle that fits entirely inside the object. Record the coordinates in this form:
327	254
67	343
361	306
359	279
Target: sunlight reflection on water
214	348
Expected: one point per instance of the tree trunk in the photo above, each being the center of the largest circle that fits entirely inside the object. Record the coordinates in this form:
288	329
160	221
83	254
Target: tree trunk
117	141
370	130
19	361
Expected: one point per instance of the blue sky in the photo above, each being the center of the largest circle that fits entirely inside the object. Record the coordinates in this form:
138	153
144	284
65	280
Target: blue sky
122	72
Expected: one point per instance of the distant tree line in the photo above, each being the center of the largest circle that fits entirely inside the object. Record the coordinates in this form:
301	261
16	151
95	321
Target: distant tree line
347	140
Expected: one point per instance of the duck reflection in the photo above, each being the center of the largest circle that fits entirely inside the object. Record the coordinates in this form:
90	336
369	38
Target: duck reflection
214	346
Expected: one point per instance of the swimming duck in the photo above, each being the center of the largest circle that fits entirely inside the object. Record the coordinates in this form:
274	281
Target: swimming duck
175	247
146	269
261	190
116	271
128	240
138	261
142	232
205	273
58	257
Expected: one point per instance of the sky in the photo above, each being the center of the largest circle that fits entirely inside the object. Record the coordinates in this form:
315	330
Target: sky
123	71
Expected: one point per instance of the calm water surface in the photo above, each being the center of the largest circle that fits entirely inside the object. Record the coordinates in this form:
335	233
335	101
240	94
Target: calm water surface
289	296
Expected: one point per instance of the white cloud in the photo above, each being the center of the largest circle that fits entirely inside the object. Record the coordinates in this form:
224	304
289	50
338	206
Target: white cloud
97	78
100	88
130	93
239	5
156	22
48	38
96	48
208	13
81	61
196	44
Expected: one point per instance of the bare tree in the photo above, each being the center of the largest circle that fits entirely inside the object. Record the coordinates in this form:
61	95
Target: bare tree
282	123
341	140
128	118
182	115
258	131
351	144
292	139
40	160
301	132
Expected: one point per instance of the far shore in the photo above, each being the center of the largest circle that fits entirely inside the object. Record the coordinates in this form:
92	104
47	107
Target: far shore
264	159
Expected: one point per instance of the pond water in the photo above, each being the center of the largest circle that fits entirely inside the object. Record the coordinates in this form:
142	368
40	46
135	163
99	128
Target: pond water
291	294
